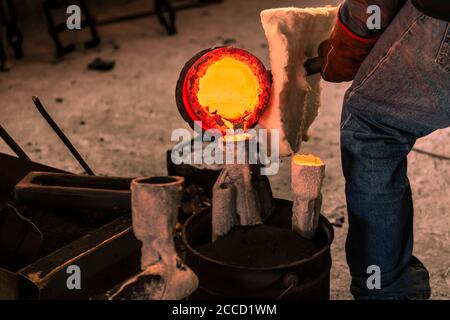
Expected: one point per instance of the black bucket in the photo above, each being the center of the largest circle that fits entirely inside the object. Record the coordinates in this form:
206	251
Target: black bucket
307	278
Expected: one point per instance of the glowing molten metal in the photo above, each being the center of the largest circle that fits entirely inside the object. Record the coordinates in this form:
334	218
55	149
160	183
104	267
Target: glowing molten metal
307	160
224	88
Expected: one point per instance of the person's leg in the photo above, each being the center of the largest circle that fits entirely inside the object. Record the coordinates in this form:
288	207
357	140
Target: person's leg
401	93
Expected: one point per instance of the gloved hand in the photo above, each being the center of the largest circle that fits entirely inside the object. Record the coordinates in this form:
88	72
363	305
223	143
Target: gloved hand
342	54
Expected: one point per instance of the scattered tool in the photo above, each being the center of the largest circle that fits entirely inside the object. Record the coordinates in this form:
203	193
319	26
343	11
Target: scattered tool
100	64
62	136
58	190
12	144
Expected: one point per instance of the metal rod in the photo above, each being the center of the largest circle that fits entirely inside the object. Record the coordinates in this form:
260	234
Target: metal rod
313	66
62	136
12	144
431	154
144	14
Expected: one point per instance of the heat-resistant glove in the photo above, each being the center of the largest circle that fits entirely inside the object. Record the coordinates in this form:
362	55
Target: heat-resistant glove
342	54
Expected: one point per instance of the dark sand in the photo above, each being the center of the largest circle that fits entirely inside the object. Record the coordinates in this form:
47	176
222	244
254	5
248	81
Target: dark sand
260	246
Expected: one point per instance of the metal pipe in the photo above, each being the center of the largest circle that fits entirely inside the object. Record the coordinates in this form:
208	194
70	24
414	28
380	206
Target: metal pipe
62	136
12	144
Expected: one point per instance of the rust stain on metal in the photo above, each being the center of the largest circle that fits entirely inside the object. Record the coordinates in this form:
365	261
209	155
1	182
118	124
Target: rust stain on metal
35	276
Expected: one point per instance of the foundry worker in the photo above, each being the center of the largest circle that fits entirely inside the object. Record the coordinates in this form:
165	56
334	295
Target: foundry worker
400	92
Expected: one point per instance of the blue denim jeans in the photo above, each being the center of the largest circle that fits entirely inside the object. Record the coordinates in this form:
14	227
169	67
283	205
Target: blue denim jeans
401	93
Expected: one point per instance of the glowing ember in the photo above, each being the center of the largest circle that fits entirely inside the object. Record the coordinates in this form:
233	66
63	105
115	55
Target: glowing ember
226	88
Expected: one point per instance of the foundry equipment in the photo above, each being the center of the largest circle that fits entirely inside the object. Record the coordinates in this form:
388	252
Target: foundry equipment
155	203
66	219
243	247
242	244
100	243
99	235
51	219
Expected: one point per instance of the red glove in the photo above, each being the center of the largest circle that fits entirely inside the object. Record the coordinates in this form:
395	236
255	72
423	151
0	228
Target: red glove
343	53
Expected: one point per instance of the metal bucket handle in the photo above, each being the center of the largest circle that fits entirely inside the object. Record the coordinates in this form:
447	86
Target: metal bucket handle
290	281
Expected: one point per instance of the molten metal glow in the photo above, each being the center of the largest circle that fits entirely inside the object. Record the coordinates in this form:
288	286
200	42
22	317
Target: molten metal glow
229	88
226	88
308	160
237	137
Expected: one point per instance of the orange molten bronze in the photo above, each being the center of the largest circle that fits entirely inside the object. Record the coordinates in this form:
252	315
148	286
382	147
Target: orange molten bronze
224	88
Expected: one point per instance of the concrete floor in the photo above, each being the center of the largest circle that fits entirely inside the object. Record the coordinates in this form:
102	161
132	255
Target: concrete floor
122	120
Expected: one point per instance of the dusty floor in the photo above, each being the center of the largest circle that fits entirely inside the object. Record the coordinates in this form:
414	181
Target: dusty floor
122	120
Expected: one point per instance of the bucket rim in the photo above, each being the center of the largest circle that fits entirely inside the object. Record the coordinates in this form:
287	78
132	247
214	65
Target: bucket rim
323	224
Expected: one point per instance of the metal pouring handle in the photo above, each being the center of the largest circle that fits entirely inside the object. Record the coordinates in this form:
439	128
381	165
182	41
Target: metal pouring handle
313	66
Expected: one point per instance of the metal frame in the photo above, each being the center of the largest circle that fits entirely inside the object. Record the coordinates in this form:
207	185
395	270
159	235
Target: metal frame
165	11
55	29
14	36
